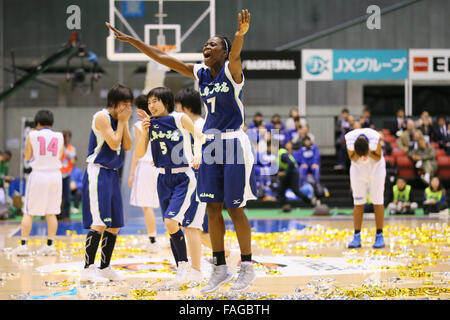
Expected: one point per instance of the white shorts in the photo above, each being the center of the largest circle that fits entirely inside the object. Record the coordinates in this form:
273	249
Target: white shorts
43	193
144	192
368	179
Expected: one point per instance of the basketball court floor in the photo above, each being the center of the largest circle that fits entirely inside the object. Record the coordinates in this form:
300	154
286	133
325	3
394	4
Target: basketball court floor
297	256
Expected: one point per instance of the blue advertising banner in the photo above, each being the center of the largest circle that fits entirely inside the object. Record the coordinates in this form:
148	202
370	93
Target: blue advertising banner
370	64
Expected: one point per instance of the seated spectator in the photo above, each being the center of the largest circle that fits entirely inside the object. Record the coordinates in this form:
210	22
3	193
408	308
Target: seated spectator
308	157
435	198
424	158
76	184
441	132
5	157
309	134
343	126
279	133
402	194
406	139
297	137
275	119
424	124
257	121
290	124
385	145
293	132
399	123
366	121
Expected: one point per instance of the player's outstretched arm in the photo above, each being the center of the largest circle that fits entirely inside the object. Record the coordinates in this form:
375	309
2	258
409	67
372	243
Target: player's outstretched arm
156	54
234	57
199	139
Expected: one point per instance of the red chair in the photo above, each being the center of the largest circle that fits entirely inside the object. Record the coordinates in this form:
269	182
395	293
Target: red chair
386	132
398	153
440	153
394	145
434	145
390	139
444	167
405	167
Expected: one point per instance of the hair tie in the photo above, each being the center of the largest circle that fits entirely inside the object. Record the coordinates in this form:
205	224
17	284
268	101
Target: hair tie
363	135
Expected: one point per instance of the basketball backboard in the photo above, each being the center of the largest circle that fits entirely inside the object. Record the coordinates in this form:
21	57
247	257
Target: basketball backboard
136	17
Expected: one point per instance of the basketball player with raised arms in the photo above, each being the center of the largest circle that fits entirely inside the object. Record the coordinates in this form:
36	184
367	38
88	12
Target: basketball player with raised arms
142	181
101	195
43	192
367	176
231	179
168	134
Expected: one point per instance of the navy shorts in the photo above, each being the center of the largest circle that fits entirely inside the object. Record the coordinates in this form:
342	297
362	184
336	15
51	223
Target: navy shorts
227	173
102	198
178	199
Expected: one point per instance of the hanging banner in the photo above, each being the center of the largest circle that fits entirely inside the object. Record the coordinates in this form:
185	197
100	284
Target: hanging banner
370	64
429	64
327	65
271	64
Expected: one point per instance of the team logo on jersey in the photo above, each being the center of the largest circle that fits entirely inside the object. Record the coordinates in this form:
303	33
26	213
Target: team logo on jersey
218	87
171	213
236	201
170	135
207	195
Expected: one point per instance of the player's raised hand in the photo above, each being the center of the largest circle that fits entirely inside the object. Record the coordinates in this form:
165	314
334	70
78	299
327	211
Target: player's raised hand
244	23
142	114
119	35
124	113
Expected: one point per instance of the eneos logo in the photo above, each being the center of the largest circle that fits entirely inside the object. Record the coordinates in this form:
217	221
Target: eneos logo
316	65
420	64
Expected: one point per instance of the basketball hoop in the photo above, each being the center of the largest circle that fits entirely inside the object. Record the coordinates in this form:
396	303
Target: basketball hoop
166	48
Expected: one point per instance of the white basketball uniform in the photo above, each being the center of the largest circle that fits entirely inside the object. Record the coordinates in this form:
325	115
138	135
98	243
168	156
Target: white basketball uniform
44	186
144	192
200	214
367	176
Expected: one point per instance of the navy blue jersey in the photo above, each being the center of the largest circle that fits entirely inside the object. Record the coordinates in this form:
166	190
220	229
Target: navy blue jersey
170	143
99	151
222	98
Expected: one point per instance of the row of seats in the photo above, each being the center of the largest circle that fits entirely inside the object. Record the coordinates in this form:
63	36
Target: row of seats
405	166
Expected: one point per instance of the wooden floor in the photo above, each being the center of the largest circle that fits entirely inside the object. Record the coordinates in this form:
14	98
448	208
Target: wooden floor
312	263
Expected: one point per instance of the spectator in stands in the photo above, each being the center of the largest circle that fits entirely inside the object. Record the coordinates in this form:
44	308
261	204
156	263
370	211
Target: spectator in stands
435	197
385	145
342	127
399	123
5	157
366	121
447	141
275	119
424	158
356	125
67	162
342	124
441	133
297	137
76	184
279	133
402	197
288	177
293	132
308	157
406	139
424	124
290	124
257	121
309	134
